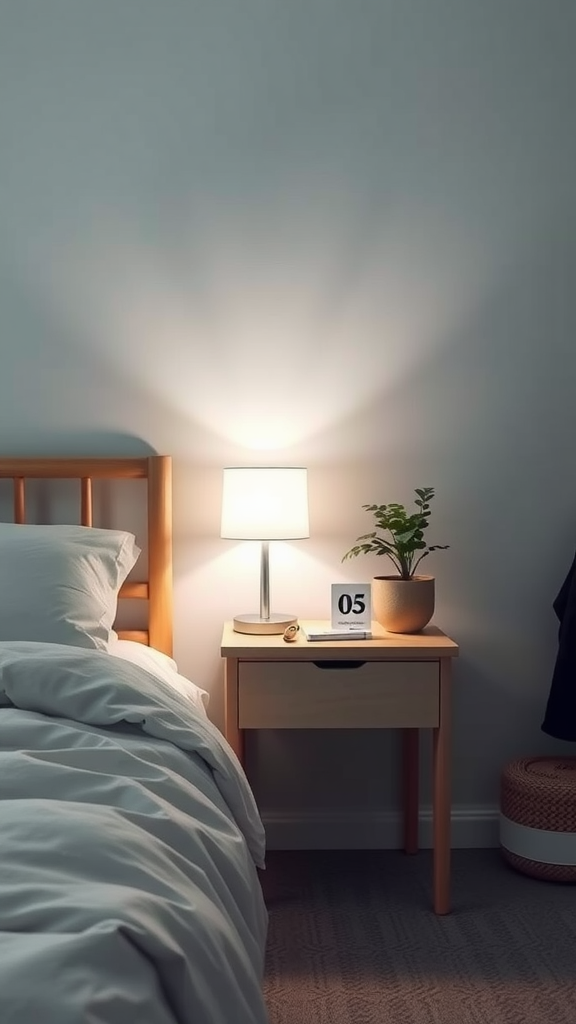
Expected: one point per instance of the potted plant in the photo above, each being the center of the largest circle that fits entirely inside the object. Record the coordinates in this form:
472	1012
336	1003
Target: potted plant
403	602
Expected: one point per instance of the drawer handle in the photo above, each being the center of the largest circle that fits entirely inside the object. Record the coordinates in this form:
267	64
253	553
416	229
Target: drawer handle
339	664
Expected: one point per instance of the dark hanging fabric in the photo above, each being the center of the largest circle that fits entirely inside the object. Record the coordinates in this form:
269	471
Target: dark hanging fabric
560	718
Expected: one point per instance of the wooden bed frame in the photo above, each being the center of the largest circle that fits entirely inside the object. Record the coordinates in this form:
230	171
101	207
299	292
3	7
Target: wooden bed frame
157	471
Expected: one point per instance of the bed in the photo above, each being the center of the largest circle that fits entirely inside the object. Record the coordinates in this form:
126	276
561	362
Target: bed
129	837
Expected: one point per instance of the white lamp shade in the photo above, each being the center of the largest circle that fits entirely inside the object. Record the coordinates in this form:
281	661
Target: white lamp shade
265	503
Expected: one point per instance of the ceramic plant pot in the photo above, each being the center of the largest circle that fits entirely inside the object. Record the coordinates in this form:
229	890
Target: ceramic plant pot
403	606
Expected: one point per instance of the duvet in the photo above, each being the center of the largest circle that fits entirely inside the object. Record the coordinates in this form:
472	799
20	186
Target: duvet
129	841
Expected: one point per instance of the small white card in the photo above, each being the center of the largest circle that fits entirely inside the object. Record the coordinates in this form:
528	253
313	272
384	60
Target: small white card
352	606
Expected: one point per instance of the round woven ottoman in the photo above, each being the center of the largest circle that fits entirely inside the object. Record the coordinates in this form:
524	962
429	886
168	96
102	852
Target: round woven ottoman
538	817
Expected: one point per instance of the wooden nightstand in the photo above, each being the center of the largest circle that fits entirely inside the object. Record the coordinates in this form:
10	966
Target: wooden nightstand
395	681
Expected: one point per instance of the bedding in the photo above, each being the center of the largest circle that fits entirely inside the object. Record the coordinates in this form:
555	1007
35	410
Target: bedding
128	849
60	584
160	665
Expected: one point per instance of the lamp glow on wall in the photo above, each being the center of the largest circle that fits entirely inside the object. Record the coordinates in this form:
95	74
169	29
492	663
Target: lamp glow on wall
264	503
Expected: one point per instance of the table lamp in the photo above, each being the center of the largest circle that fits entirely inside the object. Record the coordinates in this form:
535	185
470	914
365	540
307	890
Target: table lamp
264	503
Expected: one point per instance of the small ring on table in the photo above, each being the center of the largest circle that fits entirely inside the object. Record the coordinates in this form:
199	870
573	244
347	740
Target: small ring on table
290	634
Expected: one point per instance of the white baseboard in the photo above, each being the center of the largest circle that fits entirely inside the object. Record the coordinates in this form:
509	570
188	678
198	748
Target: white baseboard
473	827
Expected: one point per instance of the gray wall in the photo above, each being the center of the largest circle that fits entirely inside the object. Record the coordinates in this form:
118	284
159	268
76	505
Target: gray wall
331	234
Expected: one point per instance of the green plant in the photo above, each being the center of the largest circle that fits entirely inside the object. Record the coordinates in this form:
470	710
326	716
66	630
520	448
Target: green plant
402	534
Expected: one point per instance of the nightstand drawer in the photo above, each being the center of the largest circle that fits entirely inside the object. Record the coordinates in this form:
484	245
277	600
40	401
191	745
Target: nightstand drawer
367	695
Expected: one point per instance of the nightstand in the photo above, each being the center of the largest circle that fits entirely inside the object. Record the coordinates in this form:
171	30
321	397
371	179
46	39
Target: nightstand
394	681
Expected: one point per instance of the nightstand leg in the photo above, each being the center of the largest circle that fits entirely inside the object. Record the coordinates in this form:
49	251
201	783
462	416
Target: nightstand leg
410	771
232	731
441	802
239	748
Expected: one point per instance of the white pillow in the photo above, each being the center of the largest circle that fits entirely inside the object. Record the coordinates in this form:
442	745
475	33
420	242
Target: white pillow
160	665
59	584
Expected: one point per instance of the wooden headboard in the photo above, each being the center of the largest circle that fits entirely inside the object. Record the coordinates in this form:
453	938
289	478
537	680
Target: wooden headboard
157	471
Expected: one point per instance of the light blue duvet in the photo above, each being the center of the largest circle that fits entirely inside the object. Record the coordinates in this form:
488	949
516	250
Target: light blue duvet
128	844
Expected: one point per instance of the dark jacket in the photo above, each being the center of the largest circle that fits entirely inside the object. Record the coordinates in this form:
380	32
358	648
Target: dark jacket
560	718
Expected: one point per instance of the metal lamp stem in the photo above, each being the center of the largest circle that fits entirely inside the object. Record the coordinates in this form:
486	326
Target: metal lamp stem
264	581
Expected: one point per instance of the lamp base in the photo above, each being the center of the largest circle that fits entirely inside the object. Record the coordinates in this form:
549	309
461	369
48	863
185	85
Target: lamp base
276	623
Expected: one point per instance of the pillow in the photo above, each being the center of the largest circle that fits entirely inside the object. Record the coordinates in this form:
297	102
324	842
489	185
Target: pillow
59	584
161	666
140	654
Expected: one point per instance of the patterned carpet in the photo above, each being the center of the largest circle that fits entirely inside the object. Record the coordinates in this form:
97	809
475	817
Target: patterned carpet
352	940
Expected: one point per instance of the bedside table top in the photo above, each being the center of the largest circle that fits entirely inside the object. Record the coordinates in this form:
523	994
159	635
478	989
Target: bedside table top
431	643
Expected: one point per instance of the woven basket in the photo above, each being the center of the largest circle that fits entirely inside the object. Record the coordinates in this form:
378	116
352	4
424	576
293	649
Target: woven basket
539	794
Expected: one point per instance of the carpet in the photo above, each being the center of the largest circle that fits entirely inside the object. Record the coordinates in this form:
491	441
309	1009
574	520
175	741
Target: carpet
353	940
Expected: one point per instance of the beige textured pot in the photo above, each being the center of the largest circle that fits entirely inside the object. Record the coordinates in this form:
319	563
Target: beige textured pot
403	606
